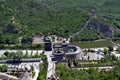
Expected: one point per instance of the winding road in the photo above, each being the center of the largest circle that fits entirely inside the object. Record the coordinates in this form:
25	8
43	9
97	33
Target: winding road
93	14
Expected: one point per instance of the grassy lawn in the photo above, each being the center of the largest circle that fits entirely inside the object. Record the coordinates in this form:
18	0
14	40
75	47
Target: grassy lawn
95	44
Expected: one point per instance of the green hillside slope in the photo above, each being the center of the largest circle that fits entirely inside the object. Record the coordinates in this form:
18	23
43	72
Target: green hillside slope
108	9
60	17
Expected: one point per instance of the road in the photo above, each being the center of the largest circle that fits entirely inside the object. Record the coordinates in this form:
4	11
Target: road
7	77
51	64
86	24
103	67
36	69
115	43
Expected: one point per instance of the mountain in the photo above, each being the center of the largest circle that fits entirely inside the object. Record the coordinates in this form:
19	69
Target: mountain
60	17
107	9
40	17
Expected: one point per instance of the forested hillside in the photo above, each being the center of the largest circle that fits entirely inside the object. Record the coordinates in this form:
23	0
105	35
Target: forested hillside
37	17
107	10
32	17
60	17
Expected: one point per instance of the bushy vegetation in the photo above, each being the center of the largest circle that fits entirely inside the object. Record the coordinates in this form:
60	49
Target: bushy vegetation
27	40
18	55
88	35
43	68
91	74
9	39
3	68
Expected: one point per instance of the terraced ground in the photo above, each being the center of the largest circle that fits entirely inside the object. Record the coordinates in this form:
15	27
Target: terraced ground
95	44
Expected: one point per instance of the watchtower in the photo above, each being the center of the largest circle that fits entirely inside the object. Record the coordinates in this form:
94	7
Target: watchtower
48	46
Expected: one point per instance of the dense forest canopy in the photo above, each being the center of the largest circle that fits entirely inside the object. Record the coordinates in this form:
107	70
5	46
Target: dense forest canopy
60	17
90	74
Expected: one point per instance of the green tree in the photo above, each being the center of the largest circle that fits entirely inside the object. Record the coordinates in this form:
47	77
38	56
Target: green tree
27	40
69	62
6	54
75	63
3	68
118	49
110	48
105	51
